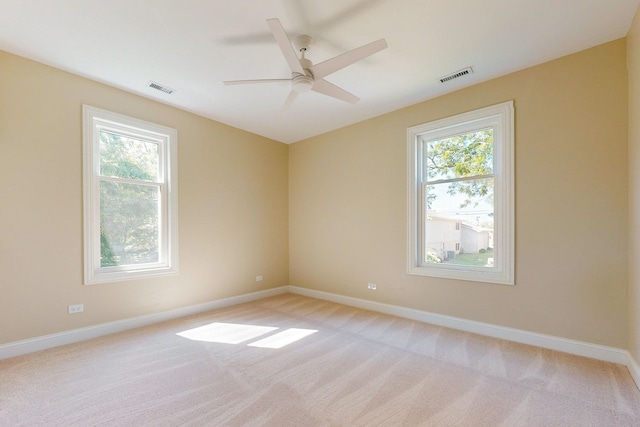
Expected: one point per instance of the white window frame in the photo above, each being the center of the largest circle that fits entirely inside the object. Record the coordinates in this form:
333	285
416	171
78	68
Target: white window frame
94	121
500	118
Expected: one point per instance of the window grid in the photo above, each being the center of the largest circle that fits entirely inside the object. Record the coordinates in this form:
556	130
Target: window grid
102	263
423	259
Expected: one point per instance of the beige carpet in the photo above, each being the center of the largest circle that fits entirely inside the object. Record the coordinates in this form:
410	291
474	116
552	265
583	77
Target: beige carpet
297	361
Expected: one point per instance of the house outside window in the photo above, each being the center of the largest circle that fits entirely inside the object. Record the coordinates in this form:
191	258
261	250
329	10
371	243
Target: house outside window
130	198
461	172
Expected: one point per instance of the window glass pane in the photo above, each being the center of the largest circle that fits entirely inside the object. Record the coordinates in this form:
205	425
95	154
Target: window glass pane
459	156
124	157
459	224
128	224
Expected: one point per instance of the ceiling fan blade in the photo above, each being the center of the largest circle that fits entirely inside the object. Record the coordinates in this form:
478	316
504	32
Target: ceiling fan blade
336	63
246	82
289	101
285	45
329	89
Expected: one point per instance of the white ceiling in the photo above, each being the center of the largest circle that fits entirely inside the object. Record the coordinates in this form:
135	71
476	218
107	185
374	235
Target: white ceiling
193	45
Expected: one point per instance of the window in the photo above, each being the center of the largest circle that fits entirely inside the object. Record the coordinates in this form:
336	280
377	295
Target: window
130	198
461	171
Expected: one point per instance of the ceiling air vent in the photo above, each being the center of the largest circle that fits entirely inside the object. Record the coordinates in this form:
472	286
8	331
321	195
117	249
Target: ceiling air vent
160	87
455	75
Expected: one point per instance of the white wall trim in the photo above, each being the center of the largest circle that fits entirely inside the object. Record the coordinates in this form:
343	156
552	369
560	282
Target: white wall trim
18	348
634	369
580	348
500	118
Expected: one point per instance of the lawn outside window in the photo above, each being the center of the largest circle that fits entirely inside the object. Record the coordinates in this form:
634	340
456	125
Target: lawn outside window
130	198
461	196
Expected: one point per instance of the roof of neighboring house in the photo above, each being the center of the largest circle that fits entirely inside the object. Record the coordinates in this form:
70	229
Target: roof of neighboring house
444	217
475	228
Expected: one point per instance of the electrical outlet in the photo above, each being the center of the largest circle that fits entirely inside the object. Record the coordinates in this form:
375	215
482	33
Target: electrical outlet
76	308
372	286
258	278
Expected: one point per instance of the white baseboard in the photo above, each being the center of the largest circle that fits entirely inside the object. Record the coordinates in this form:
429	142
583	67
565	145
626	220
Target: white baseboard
634	369
594	351
75	335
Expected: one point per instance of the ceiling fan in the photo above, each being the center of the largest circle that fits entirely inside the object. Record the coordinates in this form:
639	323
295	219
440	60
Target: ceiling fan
304	75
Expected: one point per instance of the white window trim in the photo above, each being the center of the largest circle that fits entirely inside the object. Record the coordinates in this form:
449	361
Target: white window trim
94	120
501	118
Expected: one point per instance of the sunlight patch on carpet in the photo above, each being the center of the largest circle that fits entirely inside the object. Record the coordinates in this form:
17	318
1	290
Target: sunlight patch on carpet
226	333
233	333
283	338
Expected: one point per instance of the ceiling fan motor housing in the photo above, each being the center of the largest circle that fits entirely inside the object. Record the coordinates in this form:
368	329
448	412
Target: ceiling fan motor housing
302	83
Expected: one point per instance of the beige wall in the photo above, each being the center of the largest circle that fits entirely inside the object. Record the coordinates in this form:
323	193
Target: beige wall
346	201
348	204
633	62
232	207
